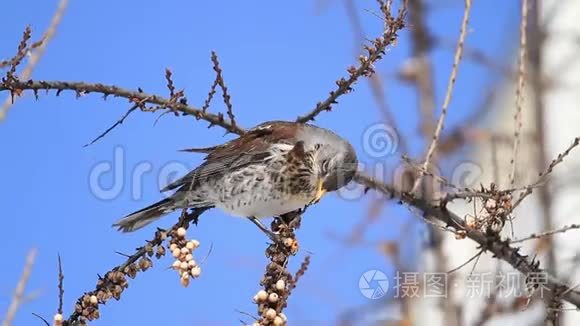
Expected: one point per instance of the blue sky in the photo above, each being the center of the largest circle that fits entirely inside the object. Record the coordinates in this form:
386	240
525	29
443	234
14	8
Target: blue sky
279	59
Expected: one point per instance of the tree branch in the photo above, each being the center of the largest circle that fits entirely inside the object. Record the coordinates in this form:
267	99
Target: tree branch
82	88
115	281
36	53
366	63
20	287
501	249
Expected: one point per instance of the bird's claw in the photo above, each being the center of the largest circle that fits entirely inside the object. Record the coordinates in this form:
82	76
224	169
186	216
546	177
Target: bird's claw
274	236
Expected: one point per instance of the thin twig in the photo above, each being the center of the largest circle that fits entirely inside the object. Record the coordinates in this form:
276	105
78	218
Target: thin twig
219	79
20	52
60	286
375	80
119	122
170	84
476	256
479	56
519	91
421	169
41	318
419	68
542	175
547	233
36	53
375	52
301	271
20	287
450	85
210	95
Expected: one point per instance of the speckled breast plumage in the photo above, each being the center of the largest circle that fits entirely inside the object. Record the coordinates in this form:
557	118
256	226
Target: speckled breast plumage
279	184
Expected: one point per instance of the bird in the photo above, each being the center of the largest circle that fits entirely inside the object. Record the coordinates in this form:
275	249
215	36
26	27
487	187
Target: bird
275	168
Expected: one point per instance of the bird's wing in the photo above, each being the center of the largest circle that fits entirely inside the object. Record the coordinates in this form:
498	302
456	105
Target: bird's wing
252	147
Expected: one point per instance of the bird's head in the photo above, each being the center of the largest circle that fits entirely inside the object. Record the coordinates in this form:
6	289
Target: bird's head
335	158
337	164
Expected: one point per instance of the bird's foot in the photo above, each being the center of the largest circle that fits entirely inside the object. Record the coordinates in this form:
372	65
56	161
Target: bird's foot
275	237
287	244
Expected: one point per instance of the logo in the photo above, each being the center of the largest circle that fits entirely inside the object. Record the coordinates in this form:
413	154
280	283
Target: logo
380	140
373	284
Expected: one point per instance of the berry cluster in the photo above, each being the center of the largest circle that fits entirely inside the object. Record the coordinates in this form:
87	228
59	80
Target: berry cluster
182	250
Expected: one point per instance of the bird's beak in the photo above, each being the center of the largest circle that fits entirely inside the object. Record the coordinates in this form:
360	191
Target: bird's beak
320	191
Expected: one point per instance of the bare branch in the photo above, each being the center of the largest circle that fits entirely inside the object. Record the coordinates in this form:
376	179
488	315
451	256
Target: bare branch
115	281
375	52
219	80
548	233
450	85
44	320
23	48
36	53
542	175
209	97
474	257
20	287
519	91
479	56
499	248
170	84
375	80
81	88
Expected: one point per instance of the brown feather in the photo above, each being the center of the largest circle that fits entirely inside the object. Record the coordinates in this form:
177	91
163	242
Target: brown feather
205	150
251	147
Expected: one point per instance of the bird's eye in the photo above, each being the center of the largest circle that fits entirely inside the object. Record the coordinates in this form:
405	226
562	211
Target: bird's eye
317	146
325	166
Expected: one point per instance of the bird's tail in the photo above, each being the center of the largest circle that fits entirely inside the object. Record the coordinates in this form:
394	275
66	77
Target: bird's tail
141	218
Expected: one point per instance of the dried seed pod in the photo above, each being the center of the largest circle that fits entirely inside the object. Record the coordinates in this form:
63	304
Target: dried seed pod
280	285
271	314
